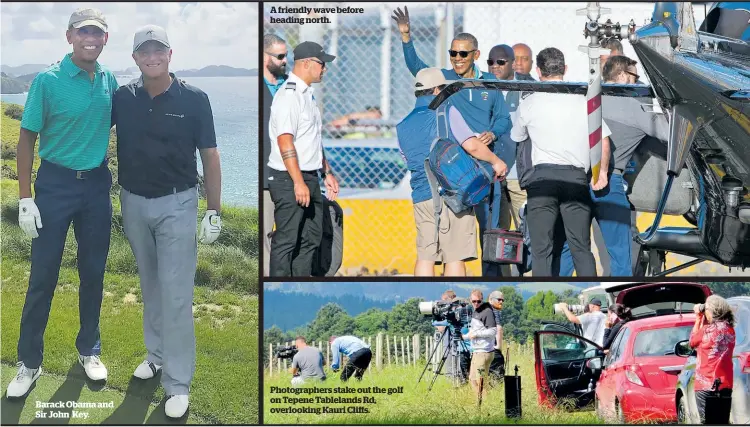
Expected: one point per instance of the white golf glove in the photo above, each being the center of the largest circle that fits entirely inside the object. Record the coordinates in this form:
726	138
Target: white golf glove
210	227
29	218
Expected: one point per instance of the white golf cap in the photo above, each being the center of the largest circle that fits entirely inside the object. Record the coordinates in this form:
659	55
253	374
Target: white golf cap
148	33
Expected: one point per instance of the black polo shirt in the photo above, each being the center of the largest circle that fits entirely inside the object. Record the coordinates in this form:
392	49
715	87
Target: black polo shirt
157	138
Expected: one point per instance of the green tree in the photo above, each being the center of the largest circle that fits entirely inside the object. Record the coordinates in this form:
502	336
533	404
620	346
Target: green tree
371	322
405	318
730	289
331	319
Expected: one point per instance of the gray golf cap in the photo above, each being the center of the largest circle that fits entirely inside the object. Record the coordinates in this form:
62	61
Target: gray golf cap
148	33
87	16
495	295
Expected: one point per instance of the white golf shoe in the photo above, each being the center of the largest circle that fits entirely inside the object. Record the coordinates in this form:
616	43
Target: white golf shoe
23	380
94	368
146	370
176	406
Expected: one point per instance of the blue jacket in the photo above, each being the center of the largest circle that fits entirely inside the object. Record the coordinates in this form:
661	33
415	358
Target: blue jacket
347	345
416	132
482	110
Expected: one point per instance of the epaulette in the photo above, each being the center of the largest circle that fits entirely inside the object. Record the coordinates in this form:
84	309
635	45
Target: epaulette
291	85
525	95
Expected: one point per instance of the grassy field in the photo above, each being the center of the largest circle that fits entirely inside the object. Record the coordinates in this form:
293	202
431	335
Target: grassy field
415	405
225	386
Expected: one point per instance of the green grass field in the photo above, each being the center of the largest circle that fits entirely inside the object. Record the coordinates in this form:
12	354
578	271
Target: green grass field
443	405
225	387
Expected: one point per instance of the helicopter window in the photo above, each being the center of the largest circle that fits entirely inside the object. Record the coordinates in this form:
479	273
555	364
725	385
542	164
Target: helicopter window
728	22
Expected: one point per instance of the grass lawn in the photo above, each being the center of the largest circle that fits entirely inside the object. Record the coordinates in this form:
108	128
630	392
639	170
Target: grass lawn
415	405
225	387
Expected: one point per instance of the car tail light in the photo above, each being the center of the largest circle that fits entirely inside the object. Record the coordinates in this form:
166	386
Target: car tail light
745	362
634	375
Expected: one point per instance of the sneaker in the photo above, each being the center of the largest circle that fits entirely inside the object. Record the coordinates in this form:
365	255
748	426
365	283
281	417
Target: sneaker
176	405
95	369
146	370
23	380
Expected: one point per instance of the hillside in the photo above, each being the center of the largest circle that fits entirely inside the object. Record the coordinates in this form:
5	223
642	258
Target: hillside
217	71
11	85
22	69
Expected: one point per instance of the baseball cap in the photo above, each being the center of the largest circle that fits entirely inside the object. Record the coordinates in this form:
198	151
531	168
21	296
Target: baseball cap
495	295
429	78
502	51
148	33
595	301
306	50
87	16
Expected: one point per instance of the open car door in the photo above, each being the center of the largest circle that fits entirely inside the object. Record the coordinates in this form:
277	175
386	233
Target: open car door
563	372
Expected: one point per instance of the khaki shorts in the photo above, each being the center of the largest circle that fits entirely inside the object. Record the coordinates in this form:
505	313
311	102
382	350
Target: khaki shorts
457	239
480	360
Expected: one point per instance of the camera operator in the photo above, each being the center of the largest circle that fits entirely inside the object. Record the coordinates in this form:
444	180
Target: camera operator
497	367
713	338
358	352
307	363
592	322
482	331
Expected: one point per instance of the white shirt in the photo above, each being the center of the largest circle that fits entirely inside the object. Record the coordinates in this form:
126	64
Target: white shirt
294	111
592	325
559	129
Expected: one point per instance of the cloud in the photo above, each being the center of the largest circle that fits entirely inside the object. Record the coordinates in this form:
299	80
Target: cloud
201	34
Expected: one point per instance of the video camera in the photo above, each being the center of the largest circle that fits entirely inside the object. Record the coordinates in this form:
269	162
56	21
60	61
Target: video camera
286	352
457	313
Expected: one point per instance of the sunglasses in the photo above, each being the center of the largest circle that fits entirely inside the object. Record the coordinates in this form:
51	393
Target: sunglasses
637	77
501	299
279	56
90	30
322	64
500	62
476	301
463	53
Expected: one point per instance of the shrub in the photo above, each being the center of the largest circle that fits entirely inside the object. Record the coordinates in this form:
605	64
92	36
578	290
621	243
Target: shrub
14	111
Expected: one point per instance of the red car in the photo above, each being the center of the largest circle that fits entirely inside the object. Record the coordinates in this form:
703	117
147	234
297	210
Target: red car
635	382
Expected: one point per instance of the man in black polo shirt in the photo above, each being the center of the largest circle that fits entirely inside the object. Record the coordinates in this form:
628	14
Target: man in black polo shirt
161	121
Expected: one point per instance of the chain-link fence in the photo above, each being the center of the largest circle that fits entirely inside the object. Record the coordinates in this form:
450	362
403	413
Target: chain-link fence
367	90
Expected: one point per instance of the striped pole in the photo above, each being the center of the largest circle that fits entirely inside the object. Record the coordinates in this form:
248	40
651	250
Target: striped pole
594	91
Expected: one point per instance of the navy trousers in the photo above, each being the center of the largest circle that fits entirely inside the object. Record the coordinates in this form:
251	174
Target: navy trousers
64	196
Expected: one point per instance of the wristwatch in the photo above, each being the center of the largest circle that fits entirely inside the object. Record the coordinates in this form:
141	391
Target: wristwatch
324	174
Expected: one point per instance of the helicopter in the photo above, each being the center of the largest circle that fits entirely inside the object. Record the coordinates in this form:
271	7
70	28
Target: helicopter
699	78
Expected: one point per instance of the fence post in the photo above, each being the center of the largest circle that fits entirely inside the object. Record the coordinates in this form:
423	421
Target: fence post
415	342
388	348
408	352
379	351
270	360
395	351
369	343
403	355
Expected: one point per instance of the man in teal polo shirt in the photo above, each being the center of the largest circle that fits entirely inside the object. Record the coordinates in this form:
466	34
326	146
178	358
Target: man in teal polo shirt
69	106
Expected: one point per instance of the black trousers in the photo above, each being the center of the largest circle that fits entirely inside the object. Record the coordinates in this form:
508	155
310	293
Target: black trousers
357	364
497	367
299	229
713	407
560	191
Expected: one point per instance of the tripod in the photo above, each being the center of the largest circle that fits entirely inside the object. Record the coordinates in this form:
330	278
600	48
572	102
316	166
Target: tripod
455	348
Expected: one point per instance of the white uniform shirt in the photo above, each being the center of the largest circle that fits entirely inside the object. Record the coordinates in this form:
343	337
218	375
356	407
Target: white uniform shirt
294	111
559	129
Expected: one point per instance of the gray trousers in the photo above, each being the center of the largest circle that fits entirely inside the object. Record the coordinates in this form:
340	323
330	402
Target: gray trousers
162	234
268	208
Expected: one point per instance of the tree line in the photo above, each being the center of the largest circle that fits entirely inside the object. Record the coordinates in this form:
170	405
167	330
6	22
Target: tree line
519	318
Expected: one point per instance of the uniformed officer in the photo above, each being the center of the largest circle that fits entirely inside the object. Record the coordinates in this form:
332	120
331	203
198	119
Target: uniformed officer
68	106
296	157
160	122
559	185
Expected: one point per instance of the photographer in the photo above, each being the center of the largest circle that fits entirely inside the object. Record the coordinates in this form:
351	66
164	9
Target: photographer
358	352
497	367
307	363
592	322
713	338
482	331
619	315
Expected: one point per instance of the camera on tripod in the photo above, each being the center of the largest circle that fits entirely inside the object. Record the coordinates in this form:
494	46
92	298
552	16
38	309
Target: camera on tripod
457	313
286	352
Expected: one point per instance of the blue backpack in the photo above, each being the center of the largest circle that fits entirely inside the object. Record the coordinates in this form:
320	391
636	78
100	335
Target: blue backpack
454	175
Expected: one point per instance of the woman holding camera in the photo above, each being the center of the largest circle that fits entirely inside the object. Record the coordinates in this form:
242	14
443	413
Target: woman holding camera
713	338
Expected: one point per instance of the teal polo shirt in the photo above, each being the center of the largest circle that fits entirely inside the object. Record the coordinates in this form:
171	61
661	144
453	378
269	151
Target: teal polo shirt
71	113
275	87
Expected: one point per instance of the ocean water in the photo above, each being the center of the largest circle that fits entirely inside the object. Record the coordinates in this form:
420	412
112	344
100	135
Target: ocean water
234	101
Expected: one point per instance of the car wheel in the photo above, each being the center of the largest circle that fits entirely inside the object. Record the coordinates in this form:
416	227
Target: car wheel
682	411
